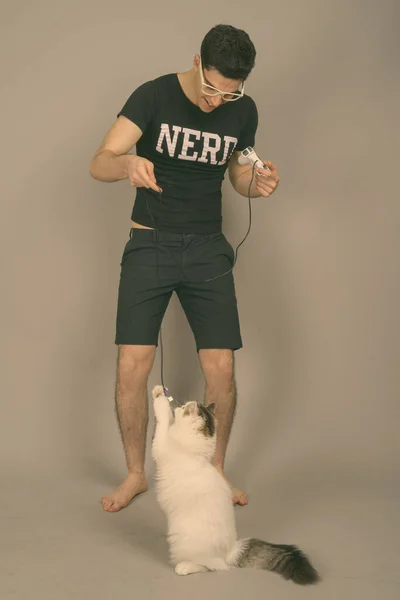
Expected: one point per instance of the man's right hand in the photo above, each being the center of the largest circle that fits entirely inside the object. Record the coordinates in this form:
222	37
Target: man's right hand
113	163
141	173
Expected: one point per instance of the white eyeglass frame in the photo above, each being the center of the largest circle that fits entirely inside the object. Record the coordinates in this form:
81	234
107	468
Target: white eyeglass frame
217	91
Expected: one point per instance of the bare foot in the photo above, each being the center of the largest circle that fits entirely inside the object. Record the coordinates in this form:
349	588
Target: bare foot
238	497
133	485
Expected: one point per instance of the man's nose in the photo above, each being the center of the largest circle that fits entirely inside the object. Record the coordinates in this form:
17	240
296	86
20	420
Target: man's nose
216	100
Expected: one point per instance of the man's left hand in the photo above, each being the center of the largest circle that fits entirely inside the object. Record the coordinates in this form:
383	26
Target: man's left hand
266	181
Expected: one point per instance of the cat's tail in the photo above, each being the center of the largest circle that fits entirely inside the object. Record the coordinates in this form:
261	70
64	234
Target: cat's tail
288	561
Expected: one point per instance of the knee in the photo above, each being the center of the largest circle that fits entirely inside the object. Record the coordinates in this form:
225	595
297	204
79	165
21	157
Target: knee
218	367
135	362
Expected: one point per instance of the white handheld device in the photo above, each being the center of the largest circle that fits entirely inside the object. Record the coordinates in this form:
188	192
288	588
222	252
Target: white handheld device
249	156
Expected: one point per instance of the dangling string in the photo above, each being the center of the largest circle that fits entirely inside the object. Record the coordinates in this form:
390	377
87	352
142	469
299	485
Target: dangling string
204	281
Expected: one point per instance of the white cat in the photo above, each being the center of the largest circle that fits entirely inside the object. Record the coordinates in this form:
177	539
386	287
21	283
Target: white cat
198	501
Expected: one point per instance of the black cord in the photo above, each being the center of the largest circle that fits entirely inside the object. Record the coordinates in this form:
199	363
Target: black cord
247	233
160	334
162	363
236	249
206	280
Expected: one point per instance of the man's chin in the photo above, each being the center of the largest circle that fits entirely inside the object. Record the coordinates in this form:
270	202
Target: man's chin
205	107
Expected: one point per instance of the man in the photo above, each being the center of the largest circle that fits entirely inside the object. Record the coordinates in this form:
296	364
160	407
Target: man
188	128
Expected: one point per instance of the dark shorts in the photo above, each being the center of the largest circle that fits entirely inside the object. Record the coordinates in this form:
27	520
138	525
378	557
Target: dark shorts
157	263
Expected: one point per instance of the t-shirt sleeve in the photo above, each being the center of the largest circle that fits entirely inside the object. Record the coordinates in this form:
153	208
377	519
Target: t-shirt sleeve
248	133
141	105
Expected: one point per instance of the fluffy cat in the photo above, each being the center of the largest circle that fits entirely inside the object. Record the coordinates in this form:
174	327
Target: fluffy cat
198	503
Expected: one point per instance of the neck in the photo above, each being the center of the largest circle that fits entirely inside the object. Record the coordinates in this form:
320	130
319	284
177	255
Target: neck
188	80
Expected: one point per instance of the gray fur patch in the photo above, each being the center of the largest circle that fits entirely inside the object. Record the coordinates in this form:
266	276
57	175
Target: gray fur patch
209	421
286	560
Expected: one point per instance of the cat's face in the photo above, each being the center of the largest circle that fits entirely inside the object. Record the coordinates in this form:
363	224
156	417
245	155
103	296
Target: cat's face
196	418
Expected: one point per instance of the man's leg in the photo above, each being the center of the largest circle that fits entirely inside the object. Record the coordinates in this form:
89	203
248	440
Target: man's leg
207	295
218	369
143	296
133	368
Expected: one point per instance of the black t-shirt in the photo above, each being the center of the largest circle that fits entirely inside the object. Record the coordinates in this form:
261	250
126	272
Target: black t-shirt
190	150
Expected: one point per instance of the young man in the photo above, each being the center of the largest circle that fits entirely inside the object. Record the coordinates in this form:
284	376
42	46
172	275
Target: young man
188	128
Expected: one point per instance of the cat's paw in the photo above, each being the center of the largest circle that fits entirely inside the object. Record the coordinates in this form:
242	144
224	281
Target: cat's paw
162	408
187	568
158	391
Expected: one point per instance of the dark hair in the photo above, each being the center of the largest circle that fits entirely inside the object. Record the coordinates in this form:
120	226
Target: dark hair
228	50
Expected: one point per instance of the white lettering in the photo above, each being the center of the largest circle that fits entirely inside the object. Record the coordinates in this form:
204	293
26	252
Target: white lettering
187	143
166	134
228	140
211	150
211	144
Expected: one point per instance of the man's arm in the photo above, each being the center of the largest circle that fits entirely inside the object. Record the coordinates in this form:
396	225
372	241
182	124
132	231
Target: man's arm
240	176
110	163
264	182
113	163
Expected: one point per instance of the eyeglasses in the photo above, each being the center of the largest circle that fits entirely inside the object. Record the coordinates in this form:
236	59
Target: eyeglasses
210	90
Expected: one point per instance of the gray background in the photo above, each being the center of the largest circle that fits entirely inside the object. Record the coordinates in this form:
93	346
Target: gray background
315	442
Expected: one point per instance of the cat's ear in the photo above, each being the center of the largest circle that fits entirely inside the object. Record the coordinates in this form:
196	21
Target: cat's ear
193	408
211	408
190	408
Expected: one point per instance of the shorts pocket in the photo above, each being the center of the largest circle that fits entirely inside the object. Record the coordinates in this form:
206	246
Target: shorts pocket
229	248
139	251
